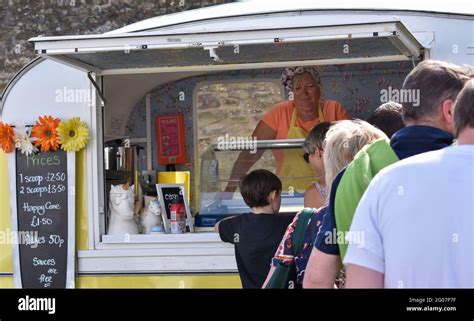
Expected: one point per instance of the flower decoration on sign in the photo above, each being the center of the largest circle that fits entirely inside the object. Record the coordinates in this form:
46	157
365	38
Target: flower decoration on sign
6	137
73	134
46	134
23	141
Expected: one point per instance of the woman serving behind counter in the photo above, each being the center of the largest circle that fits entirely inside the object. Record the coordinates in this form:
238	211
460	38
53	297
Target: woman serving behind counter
291	119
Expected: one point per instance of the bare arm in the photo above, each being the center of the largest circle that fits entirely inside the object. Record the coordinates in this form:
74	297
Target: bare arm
322	270
246	159
361	277
269	276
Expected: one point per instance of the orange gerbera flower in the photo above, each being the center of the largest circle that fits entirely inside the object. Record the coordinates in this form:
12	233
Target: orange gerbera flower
45	133
6	137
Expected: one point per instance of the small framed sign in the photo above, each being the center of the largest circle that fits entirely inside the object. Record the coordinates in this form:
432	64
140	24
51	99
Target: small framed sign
167	194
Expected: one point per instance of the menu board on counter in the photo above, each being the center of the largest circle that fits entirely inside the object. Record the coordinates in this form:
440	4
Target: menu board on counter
167	193
43	218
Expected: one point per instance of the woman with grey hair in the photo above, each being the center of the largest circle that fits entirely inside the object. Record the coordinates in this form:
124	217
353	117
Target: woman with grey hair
316	194
291	119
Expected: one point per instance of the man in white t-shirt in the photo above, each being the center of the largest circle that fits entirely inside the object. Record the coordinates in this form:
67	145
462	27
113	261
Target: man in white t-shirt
415	222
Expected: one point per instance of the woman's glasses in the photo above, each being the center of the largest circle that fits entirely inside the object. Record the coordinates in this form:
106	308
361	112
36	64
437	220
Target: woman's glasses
306	157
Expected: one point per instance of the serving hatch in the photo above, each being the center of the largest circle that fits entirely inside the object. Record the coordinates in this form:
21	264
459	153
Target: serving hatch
216	166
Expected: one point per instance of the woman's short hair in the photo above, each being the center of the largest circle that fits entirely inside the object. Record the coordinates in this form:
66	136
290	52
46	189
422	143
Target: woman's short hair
289	72
464	108
257	185
343	140
316	136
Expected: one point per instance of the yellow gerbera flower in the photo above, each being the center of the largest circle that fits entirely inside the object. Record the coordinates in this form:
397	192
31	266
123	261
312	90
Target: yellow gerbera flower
73	134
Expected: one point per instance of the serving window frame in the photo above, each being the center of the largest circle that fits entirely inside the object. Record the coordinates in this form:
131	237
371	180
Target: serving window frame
206	248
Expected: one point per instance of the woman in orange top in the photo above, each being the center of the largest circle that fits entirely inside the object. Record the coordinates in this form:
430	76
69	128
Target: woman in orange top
289	120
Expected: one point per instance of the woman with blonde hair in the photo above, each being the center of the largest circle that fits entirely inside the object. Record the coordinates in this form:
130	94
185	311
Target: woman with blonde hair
342	142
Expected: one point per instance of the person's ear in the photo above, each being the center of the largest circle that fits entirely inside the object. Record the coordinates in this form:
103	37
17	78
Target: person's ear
274	201
273	195
320	153
447	113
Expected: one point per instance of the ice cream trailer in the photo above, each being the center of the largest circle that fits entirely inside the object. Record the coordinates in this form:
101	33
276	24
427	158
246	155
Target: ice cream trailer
155	98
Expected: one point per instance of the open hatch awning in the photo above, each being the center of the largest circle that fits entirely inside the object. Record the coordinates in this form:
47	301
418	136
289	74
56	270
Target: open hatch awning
146	52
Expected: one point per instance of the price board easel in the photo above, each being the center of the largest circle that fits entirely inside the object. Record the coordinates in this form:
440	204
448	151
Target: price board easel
42	194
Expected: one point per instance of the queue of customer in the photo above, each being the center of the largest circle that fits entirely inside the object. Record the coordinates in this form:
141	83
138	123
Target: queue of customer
393	206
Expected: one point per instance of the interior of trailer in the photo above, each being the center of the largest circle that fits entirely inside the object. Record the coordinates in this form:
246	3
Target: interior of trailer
218	103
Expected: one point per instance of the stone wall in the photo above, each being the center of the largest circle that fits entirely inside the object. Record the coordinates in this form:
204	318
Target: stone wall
21	20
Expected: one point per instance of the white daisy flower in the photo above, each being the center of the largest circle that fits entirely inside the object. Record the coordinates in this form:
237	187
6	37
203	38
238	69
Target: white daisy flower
23	141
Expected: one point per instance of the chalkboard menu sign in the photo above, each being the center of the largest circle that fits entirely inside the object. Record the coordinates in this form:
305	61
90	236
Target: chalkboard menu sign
43	216
168	193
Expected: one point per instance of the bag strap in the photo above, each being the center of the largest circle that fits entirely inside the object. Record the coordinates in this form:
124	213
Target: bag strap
313	227
300	229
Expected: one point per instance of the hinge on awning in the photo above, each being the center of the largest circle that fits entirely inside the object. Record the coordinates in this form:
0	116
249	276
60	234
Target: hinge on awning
101	94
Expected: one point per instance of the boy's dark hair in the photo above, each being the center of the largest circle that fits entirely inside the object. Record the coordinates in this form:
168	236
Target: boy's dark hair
436	82
316	136
464	108
257	185
388	118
